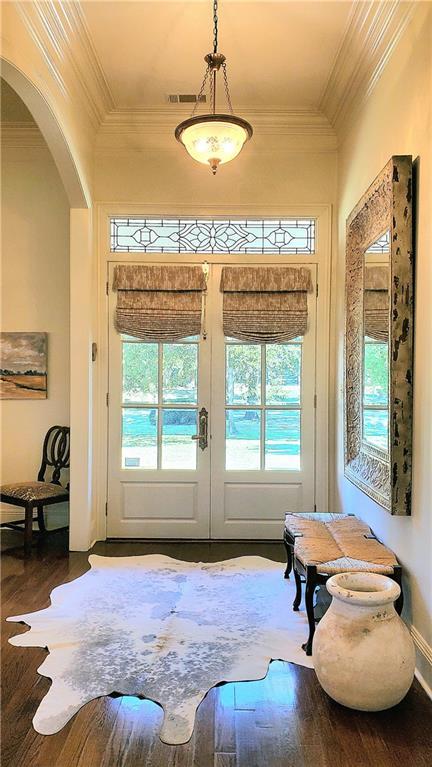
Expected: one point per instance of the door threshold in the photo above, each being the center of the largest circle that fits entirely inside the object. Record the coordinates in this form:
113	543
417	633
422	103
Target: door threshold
194	540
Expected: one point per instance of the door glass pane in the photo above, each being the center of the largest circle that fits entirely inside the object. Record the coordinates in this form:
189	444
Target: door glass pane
180	363
243	430
139	438
140	372
282	439
375	427
243	374
283	372
178	449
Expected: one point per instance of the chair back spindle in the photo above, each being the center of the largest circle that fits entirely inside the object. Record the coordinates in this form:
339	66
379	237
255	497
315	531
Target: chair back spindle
55	453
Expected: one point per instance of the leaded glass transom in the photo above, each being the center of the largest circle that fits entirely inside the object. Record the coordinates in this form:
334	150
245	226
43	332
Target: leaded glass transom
181	235
382	245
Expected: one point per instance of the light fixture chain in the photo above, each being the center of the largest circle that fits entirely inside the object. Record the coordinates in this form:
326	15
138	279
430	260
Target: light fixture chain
228	95
212	91
200	94
215	26
213	138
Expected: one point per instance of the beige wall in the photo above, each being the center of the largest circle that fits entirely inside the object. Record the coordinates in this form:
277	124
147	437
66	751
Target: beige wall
272	170
397	120
35	296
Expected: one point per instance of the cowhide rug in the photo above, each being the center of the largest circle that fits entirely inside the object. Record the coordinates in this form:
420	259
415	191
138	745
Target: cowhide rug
162	629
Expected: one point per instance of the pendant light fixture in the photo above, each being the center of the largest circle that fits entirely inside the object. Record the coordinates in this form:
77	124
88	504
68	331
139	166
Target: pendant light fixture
214	139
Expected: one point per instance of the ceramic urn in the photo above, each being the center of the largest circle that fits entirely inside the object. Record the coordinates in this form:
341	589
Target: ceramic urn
363	653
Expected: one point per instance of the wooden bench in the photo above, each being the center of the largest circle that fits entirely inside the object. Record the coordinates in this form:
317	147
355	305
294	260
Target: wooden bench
321	545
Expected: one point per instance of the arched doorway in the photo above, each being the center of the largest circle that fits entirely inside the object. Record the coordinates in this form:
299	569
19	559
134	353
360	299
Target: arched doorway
81	273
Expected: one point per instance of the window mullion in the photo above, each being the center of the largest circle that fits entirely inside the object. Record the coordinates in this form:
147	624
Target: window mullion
159	406
263	404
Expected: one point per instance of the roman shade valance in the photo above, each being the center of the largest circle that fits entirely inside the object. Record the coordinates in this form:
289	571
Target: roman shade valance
265	304
159	303
376	302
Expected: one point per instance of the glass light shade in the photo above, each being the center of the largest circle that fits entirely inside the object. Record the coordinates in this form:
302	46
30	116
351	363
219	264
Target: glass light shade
214	139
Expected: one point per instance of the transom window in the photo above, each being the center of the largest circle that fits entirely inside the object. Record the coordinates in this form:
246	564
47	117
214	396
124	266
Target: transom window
382	245
263	405
204	236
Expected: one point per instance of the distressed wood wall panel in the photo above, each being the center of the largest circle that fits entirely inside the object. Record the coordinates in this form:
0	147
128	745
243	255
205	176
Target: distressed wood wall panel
402	336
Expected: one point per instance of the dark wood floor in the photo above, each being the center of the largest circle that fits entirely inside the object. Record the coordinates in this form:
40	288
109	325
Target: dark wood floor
286	720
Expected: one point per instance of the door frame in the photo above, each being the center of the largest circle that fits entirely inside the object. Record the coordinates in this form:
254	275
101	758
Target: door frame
103	256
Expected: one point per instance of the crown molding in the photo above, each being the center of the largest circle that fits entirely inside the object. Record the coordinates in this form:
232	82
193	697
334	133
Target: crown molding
373	31
59	31
152	128
90	61
21	135
279	121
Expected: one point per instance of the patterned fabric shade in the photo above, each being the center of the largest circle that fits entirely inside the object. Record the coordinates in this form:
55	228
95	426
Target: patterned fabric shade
159	303
376	303
265	304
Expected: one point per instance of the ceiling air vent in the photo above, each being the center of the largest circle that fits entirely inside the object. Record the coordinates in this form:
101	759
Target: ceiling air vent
186	98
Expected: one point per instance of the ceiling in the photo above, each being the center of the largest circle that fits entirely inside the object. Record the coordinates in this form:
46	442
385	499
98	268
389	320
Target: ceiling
280	54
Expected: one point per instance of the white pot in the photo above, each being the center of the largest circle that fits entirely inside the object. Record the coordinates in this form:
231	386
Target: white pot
362	651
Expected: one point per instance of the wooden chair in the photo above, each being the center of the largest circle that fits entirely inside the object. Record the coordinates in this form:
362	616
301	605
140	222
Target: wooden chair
36	495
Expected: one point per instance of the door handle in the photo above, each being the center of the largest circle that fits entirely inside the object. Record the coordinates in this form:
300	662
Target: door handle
202	435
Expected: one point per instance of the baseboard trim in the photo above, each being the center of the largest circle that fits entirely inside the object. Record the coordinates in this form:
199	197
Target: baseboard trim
425	651
422	681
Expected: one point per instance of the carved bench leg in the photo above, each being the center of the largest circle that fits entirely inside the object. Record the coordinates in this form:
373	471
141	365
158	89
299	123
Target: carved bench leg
311	584
397	576
288	549
298	583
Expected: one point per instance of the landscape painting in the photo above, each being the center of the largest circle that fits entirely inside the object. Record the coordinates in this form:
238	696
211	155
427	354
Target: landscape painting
23	365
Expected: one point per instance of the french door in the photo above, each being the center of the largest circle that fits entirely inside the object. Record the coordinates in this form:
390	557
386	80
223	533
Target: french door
210	437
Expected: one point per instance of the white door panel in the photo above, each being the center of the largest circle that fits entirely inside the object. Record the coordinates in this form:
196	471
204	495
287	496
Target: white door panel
249	501
160	500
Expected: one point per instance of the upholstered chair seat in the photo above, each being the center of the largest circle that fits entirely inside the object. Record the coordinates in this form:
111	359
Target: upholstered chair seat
32	491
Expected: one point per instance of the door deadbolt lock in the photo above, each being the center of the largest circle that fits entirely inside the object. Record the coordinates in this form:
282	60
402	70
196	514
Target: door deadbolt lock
202	435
